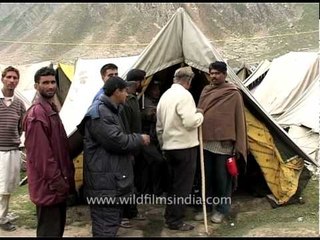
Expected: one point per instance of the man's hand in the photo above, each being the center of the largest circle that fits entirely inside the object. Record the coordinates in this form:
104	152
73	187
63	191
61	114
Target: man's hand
145	139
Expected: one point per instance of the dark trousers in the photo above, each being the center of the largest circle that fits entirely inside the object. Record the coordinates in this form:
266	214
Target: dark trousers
181	166
150	171
130	211
218	181
105	220
51	220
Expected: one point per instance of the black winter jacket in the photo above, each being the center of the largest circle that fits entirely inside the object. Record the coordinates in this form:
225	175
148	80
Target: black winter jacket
108	159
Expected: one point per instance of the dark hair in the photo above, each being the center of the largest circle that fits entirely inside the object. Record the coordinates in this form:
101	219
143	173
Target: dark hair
44	71
106	67
219	66
113	84
10	69
136	75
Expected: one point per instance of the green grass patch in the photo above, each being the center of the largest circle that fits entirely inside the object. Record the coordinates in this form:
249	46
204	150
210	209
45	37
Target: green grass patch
291	216
20	204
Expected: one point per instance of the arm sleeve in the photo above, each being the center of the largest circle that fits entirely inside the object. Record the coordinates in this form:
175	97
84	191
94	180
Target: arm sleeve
159	127
22	113
187	111
109	134
40	153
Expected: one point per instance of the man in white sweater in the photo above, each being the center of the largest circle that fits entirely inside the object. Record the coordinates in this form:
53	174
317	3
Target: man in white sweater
177	123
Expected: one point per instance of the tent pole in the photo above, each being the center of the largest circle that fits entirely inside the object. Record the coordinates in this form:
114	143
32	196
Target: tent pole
203	181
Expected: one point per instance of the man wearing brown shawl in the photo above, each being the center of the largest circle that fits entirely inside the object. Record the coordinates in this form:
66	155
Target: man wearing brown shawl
224	135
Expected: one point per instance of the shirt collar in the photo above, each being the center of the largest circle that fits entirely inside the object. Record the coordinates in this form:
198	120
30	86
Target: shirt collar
2	96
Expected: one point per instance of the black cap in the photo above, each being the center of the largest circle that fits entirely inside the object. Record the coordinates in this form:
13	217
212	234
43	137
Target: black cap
136	75
112	84
218	65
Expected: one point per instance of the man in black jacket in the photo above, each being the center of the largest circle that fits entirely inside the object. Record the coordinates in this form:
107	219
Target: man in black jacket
108	159
131	116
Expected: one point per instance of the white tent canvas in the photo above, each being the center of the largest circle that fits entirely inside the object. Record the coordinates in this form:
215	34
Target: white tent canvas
254	79
306	139
305	110
179	43
86	83
288	77
302	118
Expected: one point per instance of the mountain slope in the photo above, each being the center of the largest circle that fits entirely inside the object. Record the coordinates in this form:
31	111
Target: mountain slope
66	31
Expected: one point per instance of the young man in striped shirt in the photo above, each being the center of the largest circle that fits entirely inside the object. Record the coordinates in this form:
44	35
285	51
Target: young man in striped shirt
12	110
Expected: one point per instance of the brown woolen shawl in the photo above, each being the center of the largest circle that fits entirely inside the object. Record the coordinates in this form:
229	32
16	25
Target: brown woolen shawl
224	117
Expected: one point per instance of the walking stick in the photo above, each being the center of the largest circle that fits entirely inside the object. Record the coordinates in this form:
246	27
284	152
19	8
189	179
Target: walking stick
203	181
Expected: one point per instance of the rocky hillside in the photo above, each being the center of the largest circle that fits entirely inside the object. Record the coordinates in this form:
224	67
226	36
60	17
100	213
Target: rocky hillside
247	32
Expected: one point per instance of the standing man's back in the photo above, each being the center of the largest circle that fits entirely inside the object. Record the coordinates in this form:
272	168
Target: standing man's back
177	123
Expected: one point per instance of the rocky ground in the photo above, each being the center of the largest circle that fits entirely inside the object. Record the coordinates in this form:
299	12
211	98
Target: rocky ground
250	217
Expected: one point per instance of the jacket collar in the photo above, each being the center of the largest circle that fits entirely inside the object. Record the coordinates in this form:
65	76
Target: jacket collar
49	107
111	105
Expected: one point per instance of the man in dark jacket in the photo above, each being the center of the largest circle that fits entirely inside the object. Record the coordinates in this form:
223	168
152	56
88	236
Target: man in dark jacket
131	117
108	159
49	167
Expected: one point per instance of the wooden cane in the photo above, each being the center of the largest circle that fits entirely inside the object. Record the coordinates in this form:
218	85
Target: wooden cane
203	181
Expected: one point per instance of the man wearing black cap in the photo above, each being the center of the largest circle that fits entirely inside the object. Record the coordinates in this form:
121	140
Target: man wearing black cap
108	159
154	168
132	117
225	135
131	109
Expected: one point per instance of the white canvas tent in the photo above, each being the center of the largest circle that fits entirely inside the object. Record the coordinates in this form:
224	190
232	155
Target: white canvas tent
257	75
288	77
85	84
302	119
244	71
181	43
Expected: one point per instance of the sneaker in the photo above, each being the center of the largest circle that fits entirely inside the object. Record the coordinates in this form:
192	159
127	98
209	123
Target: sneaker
182	227
12	217
199	216
139	217
217	217
125	223
8	226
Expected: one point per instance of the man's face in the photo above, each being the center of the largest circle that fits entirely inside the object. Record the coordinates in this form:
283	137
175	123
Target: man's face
47	86
121	95
155	91
217	77
10	80
109	73
138	86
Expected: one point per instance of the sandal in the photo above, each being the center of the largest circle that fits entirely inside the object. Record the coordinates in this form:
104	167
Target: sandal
125	223
139	217
183	227
8	226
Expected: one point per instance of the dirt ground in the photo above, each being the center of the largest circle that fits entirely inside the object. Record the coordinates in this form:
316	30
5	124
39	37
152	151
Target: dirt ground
243	207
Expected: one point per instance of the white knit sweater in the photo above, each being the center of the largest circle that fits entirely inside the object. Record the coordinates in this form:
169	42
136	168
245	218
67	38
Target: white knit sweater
177	119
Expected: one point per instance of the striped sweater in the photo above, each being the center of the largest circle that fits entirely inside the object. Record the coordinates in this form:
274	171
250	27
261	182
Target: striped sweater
10	123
